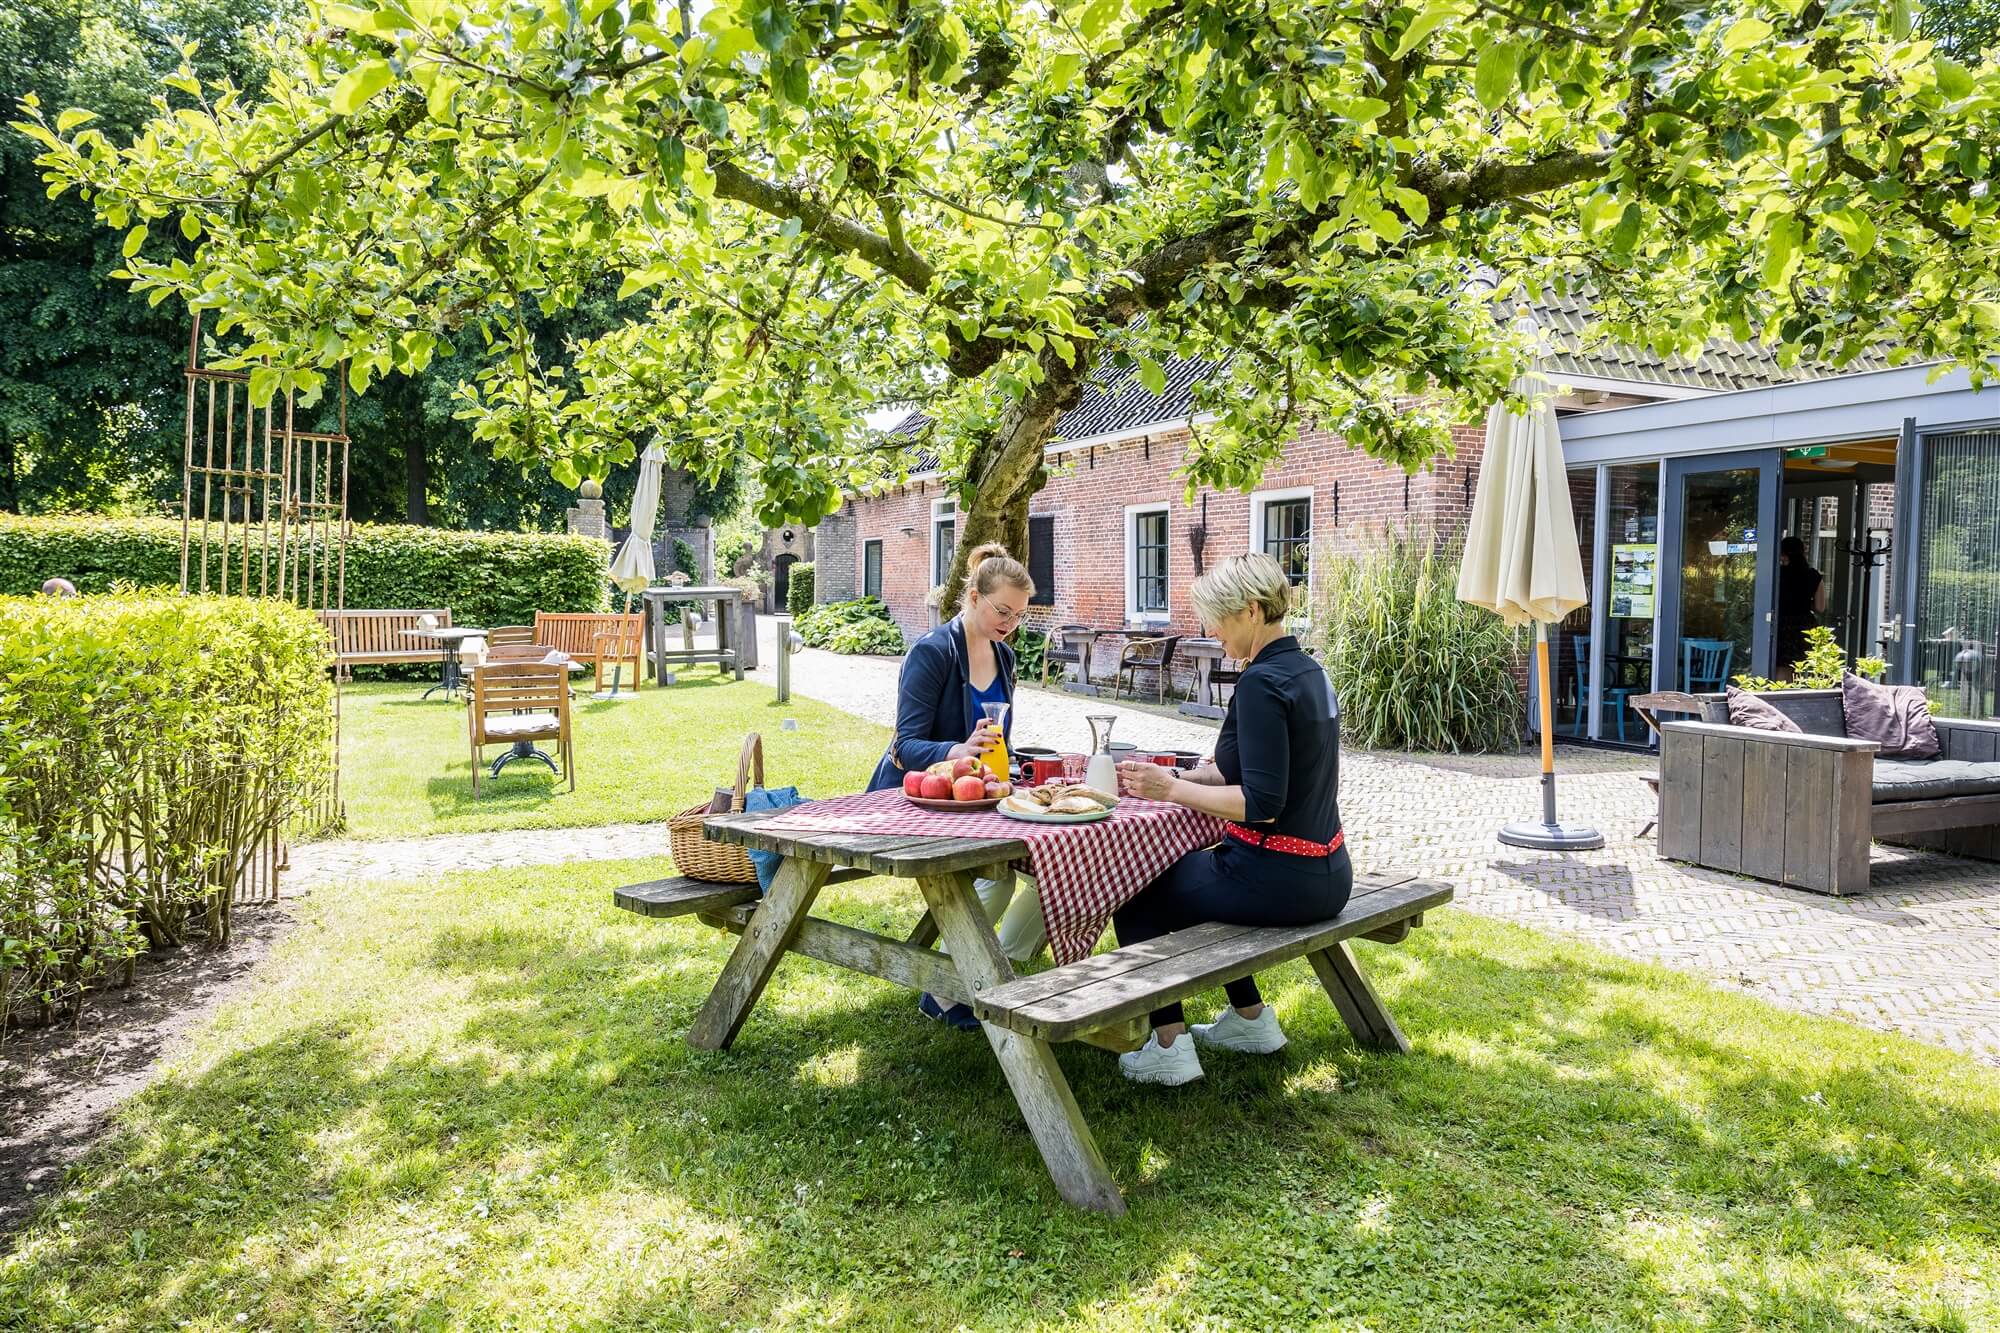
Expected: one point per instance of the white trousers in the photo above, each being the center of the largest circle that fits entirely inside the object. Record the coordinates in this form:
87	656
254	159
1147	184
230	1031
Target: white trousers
1016	914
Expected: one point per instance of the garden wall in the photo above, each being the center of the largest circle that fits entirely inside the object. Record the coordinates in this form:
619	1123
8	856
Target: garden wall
485	578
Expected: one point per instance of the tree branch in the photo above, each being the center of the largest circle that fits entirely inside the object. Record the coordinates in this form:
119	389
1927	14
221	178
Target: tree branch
781	201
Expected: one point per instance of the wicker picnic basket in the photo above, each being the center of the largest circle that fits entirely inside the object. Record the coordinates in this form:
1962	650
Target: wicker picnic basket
695	854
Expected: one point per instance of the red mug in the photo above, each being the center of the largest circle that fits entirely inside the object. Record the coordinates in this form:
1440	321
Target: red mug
1045	769
1165	760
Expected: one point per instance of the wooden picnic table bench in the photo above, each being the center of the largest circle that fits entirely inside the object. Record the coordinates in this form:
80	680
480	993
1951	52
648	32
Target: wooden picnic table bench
1102	1000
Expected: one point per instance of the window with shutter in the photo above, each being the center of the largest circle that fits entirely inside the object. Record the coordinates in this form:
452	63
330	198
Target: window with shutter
1042	558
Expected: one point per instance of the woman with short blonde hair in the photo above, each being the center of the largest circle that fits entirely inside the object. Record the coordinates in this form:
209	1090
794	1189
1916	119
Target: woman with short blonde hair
1275	780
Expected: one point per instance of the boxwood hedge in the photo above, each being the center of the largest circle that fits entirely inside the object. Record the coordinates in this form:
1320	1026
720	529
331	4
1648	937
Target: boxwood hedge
486	578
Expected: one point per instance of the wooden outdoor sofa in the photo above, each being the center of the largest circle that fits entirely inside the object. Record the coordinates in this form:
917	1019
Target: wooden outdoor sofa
376	638
1801	808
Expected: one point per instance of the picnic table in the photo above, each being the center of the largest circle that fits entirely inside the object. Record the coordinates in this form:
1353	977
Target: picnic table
1083	873
726	654
1205	699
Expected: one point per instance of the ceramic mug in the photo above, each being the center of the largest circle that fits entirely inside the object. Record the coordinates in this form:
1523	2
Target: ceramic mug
1045	768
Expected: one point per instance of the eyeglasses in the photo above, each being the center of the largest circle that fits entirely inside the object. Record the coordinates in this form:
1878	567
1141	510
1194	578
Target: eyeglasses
1005	616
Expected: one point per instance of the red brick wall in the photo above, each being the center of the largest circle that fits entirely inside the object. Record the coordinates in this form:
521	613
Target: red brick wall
1090	488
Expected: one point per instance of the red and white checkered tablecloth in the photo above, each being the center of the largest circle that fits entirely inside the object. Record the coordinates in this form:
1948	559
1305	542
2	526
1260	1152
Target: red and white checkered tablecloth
1084	871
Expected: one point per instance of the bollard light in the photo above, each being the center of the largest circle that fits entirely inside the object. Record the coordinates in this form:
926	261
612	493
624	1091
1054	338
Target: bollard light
788	643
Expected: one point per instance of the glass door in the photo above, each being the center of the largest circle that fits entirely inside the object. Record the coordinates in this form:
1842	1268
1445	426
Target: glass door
1948	595
1718	569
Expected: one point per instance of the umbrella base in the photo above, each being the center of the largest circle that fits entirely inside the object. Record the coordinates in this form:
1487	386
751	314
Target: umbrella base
1552	837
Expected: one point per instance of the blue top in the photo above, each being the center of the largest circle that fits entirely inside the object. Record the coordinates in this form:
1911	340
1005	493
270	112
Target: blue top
936	706
994	693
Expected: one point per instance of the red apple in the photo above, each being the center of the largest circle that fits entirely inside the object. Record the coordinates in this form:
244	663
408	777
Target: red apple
964	768
913	783
935	788
968	788
1001	789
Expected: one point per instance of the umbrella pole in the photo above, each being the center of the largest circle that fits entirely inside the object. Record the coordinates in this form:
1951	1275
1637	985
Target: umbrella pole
1549	835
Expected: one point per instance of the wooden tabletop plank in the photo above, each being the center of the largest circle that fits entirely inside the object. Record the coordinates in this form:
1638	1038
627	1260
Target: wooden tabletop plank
900	854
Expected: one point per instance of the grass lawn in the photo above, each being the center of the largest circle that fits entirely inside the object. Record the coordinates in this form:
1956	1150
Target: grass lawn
467	1104
406	769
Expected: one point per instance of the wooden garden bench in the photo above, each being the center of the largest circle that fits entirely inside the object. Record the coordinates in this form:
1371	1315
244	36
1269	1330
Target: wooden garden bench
600	640
1102	1000
376	638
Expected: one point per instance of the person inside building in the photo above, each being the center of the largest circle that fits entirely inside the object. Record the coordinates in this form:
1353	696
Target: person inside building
1276	780
947	676
1801	600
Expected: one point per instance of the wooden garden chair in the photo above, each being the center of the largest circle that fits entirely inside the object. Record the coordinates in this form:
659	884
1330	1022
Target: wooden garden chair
517	704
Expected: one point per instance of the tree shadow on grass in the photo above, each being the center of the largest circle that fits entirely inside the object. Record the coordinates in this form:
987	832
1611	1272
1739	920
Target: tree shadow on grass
1570	1136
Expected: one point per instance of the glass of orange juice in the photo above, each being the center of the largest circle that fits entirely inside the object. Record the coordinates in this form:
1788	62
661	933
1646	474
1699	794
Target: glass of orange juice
996	758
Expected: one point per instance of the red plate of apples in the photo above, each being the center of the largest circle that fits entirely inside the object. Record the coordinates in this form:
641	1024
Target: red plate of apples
954	784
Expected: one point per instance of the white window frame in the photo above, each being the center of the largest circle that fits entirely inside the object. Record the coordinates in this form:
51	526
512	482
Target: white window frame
1133	615
1260	501
942	510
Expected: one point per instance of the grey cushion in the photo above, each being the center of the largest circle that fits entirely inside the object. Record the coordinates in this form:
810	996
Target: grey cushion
1896	717
1934	779
525	726
1752	710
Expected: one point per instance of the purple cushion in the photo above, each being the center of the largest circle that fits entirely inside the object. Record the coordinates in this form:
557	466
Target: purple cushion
1747	710
1896	717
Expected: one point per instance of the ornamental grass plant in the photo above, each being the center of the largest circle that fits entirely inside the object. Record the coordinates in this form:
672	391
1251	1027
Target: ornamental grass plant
150	747
1415	668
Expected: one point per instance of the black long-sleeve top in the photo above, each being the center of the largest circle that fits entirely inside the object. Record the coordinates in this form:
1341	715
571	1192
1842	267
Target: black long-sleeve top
1280	743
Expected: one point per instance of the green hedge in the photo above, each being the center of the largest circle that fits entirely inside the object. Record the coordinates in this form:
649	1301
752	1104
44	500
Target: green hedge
150	748
485	578
799	588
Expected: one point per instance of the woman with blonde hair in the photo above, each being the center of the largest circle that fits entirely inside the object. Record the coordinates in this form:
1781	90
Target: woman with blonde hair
1276	781
947	675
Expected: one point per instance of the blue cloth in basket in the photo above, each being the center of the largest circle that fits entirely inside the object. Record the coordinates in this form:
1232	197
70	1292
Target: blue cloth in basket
769	798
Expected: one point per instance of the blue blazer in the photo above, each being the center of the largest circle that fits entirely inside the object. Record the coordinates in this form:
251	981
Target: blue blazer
934	707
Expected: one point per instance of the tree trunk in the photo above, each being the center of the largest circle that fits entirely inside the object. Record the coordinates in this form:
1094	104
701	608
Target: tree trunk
1006	469
10	492
418	506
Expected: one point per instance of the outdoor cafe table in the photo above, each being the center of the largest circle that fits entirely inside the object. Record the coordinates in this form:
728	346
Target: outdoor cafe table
1083	872
448	639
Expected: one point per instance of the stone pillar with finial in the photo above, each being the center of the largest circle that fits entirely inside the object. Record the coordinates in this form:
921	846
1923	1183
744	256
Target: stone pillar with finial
587	518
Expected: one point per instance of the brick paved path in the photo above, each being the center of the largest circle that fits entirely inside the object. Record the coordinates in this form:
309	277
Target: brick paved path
1920	954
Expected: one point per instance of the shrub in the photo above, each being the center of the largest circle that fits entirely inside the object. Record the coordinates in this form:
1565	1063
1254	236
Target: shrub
150	746
485	578
1029	645
799	589
1820	669
858	626
1415	668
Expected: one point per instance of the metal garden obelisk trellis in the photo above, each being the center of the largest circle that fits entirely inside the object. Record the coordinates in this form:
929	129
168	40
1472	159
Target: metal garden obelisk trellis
264	514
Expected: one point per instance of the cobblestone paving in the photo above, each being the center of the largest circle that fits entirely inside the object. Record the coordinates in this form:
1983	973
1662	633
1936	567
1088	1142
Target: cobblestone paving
1920	954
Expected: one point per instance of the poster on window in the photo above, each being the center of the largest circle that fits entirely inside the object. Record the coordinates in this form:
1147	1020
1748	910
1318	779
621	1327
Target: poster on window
1633	569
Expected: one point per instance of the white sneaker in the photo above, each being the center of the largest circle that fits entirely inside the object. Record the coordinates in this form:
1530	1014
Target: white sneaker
1153	1063
1233	1032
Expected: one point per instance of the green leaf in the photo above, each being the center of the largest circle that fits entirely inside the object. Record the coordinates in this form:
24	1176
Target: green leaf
711	115
1781	243
940	345
771	24
1954	80
1853	228
1600	211
1744	33
792	82
673	160
359	84
72	118
1493	79
1152	376
191	226
133	240
1626	234
1422	26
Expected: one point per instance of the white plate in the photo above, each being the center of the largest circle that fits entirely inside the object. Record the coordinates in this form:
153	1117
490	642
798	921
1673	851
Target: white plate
1051	817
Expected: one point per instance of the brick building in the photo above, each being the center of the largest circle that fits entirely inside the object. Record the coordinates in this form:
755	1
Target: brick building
1114	540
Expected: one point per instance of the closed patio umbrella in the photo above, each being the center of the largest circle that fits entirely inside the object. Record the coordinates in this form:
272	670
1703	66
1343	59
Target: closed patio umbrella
1522	563
632	567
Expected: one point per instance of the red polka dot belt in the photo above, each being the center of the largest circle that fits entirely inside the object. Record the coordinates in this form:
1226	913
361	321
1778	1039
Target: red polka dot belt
1285	842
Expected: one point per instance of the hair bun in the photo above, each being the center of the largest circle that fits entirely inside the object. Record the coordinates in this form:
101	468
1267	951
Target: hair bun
988	551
